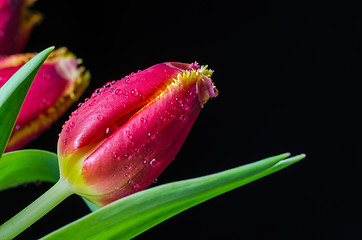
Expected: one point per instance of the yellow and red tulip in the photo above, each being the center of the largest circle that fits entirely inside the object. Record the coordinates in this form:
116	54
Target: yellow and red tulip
57	85
119	140
16	24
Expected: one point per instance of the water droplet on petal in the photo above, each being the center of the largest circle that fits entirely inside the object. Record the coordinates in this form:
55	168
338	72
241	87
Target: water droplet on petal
153	162
136	187
100	117
135	92
118	91
151	136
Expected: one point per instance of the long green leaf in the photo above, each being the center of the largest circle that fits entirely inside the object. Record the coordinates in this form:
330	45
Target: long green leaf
132	215
13	93
27	166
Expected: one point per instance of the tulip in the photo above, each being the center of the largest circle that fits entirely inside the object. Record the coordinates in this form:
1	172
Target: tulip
16	24
121	138
57	85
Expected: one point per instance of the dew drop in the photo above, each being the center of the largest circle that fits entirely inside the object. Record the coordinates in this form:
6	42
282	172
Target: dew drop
153	162
118	91
128	81
155	181
100	117
136	187
134	92
107	130
151	136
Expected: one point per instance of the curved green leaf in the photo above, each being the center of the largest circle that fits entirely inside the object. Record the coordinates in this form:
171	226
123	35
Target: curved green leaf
132	215
27	166
13	93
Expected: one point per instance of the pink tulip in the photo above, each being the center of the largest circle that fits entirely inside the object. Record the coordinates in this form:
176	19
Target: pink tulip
16	24
57	85
120	140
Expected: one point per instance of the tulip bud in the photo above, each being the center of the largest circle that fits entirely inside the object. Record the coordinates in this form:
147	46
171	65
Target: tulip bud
57	85
16	24
125	135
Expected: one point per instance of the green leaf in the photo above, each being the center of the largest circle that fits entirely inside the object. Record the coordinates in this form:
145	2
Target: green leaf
132	215
27	166
13	93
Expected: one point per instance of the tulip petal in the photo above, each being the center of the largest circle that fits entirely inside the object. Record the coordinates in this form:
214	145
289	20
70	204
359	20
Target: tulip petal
16	24
114	103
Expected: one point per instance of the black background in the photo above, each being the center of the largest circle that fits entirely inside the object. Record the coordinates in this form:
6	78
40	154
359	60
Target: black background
288	74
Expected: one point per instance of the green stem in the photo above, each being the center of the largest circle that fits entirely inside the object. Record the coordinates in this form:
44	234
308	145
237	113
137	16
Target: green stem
36	210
